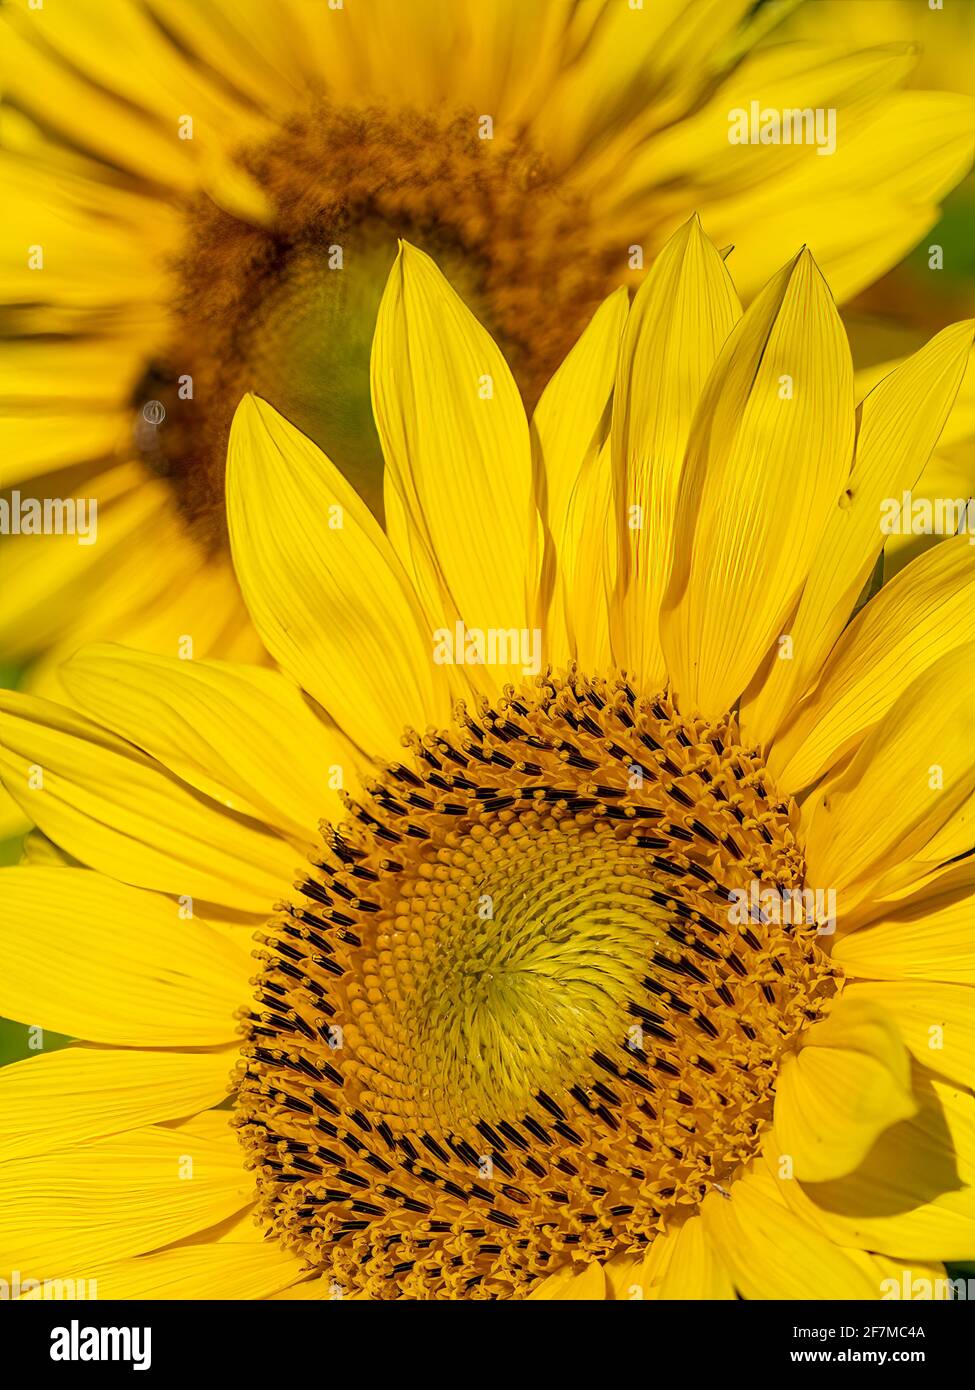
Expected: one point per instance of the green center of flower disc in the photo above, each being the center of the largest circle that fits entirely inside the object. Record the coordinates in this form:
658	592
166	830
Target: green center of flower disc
523	963
512	1021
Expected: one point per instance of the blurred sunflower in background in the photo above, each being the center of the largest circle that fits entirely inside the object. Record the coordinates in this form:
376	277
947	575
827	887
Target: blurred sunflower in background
505	1035
205	201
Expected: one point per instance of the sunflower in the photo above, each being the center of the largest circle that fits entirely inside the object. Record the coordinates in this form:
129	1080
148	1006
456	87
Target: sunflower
612	929
206	199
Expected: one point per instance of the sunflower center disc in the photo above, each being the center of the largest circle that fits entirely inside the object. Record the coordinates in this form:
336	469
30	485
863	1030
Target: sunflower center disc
513	1020
288	310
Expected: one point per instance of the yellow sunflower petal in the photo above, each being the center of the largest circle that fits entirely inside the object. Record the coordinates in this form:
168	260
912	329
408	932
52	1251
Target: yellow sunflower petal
899	425
926	937
71	1211
323	586
200	1272
681	317
32	445
926	610
456	441
588	558
138	546
241	735
748	520
54	1100
253	47
88	114
184	599
596	109
920	1280
913	1195
913	871
909	776
95	959
587	1285
411	546
44	853
685	1264
624	1277
144	75
771	1253
569	428
122	813
916	145
936	1021
794	75
847	1082
13	822
571	420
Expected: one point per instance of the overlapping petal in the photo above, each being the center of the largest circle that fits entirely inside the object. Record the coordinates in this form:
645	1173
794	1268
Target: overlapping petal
769	450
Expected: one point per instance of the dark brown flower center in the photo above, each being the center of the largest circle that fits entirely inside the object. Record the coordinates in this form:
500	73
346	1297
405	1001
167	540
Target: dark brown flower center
288	310
511	1020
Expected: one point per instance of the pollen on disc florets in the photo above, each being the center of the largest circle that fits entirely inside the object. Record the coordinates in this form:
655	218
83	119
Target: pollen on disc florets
510	1022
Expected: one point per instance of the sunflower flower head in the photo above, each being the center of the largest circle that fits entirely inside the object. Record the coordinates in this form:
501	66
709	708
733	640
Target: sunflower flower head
533	1019
208	199
513	927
